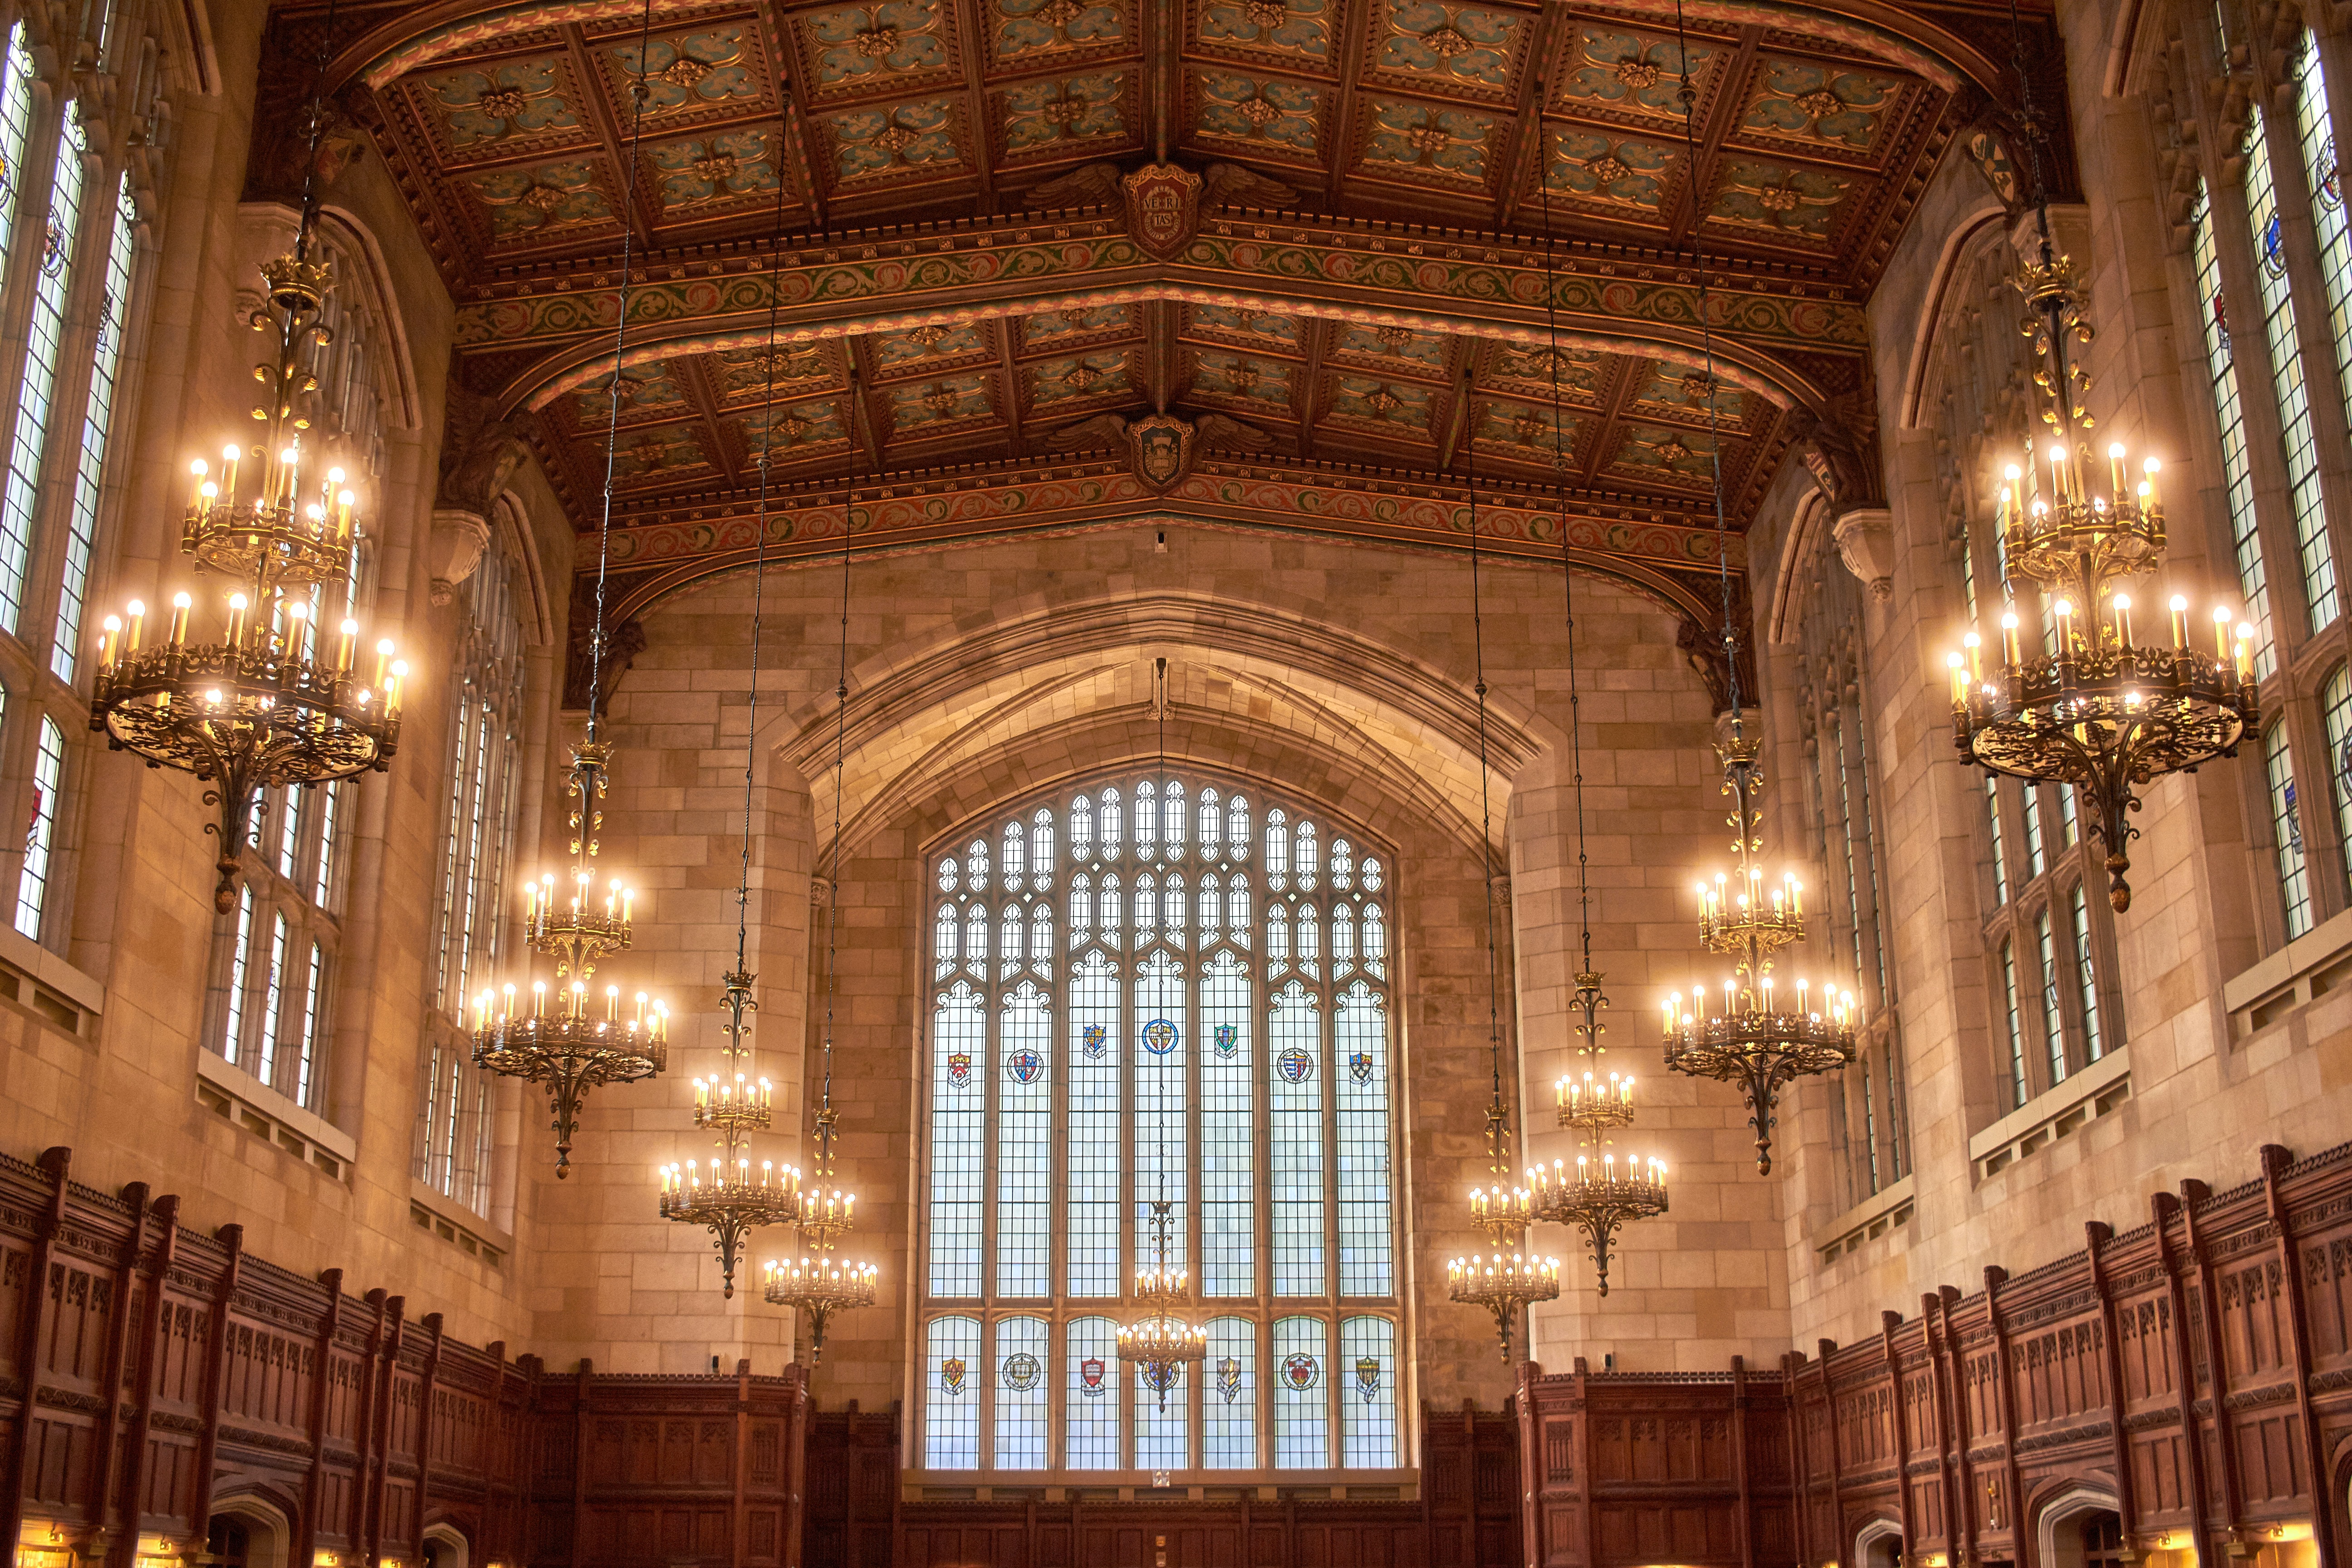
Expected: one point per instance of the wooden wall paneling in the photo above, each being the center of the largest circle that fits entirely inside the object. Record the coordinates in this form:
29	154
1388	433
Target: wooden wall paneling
1837	1552
1744	1517
2096	1237
128	1513
427	1397
128	1308
215	1376
2004	1371
1936	1349
1889	1322
2208	1314
2280	1214
2166	1209
32	1317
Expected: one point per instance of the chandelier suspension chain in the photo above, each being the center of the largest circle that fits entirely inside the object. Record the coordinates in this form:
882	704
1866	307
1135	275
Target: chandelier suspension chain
1495	1116
1689	97
638	93
1567	572
310	213
840	766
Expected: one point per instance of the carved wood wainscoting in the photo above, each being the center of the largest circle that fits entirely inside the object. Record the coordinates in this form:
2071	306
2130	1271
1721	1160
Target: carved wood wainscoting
152	1377
1960	1428
1466	1517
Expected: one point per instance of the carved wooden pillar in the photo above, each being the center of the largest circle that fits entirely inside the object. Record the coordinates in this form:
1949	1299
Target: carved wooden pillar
200	1516
2167	1208
108	1435
54	1162
1961	1497
131	1492
432	1321
2275	1159
1887	1323
384	1373
580	1387
1937	1346
1825	1349
1801	1458
2095	1235
2234	1494
1740	1461
739	1513
2005	1391
322	1351
1591	1525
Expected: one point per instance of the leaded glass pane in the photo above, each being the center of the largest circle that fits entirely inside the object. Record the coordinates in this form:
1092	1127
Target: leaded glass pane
1024	1160
958	1121
1302	1409
1024	1357
951	1395
1229	1397
1368	1419
1090	1407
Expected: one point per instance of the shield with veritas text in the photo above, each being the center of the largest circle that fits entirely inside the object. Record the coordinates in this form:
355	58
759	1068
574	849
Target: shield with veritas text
1163	206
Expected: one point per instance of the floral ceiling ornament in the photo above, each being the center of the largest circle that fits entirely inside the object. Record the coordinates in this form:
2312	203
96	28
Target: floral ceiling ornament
1608	168
1266	14
940	399
876	43
1638	73
1383	402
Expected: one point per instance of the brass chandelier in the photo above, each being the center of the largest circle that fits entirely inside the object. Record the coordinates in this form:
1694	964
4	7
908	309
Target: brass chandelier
269	704
817	1285
1750	1040
1164	1341
2092	706
1509	1280
1593	1197
572	1050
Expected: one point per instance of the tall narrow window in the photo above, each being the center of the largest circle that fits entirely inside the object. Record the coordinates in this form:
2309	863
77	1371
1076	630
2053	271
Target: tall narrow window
2325	176
2016	1025
1999	852
48	779
2299	441
2237	473
2336	714
2087	977
1869	1126
2036	861
2054	1025
97	423
314	1001
240	960
1023	1354
44	338
1199	1047
15	121
2286	831
273	1004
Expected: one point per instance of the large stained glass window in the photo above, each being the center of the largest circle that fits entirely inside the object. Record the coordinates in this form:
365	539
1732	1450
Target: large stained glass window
1161	985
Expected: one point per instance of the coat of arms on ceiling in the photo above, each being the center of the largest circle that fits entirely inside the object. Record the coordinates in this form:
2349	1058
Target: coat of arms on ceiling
1163	201
1160	447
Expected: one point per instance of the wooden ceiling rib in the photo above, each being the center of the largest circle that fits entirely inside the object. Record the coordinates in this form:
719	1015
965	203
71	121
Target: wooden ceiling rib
512	129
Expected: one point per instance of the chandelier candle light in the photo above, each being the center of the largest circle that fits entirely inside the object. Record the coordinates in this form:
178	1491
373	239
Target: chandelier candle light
269	704
2092	706
1593	1195
733	1200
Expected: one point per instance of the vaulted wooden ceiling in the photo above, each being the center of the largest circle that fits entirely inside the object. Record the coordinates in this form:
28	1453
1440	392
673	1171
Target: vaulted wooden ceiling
1430	234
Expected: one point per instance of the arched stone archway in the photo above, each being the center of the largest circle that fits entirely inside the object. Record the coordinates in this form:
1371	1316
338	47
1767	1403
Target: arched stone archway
248	1530
1878	1544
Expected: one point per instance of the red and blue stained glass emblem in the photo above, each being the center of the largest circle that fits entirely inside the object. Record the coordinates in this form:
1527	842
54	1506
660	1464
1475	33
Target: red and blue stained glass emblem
1296	1064
1090	1378
1359	1066
960	1068
1024	1064
1093	1039
1160	1036
1300	1371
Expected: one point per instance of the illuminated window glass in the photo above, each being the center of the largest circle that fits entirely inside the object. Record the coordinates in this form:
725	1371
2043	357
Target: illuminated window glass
2053	1029
1025	1158
1090	1395
1999	852
2300	441
1023	1360
41	842
15	120
1229	1400
959	1124
2237	474
1368	1414
314	1003
1302	1405
1869	1125
951	1395
1216	1026
1360	1100
44	342
2086	976
97	425
273	1004
2036	861
240	963
2286	831
2016	1025
1228	1128
2326	177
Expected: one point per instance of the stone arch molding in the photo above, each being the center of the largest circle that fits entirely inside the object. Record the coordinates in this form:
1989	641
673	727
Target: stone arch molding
456	1551
1875	1532
1047	673
269	1528
2070	1503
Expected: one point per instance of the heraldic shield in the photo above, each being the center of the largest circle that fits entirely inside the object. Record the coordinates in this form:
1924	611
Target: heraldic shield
1163	206
1160	447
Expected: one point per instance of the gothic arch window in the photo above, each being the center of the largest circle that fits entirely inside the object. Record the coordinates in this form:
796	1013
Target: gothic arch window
1160	980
